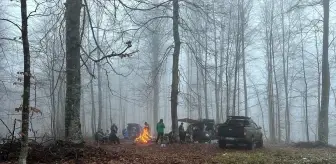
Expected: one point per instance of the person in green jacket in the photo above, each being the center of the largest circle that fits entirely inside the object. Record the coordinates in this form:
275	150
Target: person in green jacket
160	130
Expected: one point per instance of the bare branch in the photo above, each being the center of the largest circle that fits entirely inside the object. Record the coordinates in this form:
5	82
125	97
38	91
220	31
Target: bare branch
300	5
122	54
145	9
7	20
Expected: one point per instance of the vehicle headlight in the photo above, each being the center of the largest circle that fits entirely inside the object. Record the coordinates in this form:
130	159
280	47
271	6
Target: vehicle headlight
207	135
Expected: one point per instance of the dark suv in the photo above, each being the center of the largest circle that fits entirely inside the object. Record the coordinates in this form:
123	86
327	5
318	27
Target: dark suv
240	130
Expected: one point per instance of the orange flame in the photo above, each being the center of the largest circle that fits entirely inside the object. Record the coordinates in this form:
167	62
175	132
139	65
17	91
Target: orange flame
144	137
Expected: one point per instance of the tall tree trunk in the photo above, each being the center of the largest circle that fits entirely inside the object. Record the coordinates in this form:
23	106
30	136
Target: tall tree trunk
261	108
235	76
285	78
199	96
238	41
305	97
318	81
278	120
217	87
175	76
83	113
221	71
53	89
205	77
93	107
121	107
243	56
227	73
26	84
155	75
270	49
110	107
190	82
72	108
323	133
100	97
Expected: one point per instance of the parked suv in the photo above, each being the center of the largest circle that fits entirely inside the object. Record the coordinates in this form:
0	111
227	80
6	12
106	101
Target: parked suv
240	130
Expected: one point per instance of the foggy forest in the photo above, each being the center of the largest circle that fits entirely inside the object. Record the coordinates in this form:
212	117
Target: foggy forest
145	81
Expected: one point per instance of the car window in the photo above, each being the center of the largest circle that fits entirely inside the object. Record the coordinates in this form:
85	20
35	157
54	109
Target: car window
237	122
254	125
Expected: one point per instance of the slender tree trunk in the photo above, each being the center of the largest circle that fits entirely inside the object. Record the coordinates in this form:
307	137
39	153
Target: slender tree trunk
323	133
243	56
83	113
227	76
270	89
155	75
305	97
199	96
205	77
26	84
217	87
175	76
261	107
121	105
285	78
110	107
237	61
278	120
318	82
221	71
53	89
190	83
100	97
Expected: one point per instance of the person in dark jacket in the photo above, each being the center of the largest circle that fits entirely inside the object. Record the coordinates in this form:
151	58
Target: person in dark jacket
160	126
114	129
113	135
182	133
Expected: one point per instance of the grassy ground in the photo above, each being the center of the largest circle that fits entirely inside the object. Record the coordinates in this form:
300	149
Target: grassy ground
210	153
278	156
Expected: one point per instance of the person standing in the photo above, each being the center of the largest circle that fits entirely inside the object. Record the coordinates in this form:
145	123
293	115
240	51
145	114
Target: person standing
147	127
114	128
160	130
182	133
113	135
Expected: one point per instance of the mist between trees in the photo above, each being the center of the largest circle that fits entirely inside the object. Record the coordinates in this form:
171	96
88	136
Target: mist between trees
89	64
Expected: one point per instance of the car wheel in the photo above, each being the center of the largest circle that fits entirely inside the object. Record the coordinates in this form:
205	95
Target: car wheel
260	143
222	144
251	145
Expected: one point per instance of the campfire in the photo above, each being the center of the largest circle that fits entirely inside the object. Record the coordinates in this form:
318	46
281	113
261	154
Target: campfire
144	137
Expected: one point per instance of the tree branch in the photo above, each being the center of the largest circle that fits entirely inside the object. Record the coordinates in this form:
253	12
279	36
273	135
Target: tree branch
122	54
7	20
145	9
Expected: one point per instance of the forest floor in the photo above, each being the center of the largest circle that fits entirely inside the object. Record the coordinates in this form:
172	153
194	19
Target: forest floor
211	153
129	153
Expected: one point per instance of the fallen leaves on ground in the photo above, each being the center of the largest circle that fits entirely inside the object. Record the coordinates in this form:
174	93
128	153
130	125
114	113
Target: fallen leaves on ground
279	156
63	152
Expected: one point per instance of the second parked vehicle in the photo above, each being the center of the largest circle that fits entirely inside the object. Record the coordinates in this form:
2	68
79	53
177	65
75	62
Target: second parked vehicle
240	130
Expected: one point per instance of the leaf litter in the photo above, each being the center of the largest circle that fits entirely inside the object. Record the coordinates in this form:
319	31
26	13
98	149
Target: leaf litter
67	153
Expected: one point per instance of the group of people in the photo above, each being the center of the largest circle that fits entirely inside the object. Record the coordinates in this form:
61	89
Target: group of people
100	136
160	126
160	132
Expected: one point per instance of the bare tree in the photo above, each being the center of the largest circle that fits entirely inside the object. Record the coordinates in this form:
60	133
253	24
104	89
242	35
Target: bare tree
175	74
323	130
285	77
99	17
26	84
73	88
305	96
